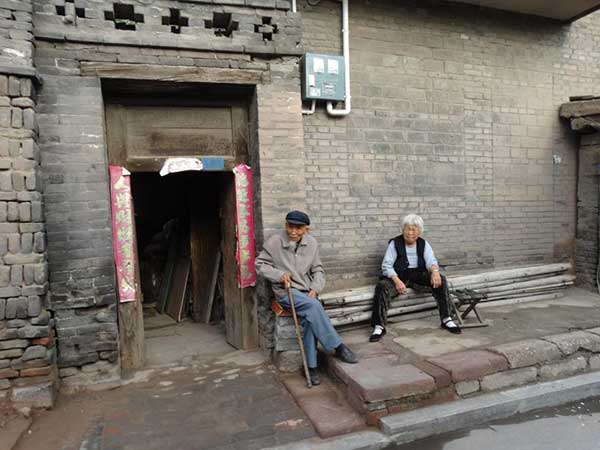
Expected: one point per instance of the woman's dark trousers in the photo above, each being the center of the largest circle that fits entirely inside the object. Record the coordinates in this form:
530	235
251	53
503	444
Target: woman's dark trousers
385	291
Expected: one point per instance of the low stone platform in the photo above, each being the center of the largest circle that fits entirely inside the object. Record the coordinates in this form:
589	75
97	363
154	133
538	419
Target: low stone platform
417	364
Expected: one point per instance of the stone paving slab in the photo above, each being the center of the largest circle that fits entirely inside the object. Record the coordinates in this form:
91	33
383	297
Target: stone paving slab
509	378
470	364
325	406
594	330
442	377
527	352
371	350
563	368
569	343
383	378
12	430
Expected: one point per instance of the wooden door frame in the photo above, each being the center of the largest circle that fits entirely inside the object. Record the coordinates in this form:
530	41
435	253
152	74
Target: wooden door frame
243	331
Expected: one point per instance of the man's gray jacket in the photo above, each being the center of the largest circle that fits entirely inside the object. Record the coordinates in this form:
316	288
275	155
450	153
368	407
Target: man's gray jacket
301	260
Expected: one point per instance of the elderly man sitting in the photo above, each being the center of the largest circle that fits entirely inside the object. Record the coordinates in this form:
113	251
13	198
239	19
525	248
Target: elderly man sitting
291	258
408	261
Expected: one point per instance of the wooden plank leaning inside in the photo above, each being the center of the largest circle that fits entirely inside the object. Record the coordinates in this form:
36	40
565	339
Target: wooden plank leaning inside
213	287
177	293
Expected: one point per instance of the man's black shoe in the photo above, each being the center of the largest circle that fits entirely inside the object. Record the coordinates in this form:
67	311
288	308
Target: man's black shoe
346	355
313	373
376	337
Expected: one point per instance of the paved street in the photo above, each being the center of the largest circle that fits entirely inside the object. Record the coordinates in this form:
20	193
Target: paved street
575	426
232	403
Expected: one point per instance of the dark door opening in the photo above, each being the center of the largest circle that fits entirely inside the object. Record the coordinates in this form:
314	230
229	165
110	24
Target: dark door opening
181	226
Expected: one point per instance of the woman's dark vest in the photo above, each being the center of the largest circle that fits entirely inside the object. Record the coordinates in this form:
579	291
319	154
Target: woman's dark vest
401	263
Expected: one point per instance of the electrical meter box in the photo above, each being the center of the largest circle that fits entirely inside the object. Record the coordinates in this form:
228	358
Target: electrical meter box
323	77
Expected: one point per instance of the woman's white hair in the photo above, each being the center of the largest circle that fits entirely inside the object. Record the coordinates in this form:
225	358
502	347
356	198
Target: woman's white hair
413	219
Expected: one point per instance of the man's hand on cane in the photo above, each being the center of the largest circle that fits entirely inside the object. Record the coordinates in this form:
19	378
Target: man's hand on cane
286	279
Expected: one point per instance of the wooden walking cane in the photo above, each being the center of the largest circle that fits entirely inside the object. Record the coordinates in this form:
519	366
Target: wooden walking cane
299	335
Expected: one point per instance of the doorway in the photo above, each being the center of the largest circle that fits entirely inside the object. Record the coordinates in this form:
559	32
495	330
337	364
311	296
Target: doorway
180	227
185	222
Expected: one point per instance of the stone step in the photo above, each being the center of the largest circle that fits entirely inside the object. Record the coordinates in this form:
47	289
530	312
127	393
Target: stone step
383	384
325	406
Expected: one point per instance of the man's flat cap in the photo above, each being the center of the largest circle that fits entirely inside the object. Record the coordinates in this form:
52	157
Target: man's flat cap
297	218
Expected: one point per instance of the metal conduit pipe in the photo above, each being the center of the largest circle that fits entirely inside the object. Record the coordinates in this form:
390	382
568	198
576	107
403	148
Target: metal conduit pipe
311	111
293	6
346	51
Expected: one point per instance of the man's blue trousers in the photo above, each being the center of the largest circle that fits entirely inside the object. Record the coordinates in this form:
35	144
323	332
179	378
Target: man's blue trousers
315	324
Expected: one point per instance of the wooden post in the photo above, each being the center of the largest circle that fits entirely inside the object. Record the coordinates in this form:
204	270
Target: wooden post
131	332
131	320
240	310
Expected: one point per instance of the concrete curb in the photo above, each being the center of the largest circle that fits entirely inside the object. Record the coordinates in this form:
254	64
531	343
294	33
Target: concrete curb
362	440
452	416
424	422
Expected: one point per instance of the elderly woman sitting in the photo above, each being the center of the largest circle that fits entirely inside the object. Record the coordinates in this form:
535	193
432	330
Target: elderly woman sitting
408	261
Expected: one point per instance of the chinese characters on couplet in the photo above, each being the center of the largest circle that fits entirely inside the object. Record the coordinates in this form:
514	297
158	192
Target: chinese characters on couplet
123	235
244	226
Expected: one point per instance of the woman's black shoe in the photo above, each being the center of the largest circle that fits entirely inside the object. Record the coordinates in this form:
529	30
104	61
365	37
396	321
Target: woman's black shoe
455	330
376	337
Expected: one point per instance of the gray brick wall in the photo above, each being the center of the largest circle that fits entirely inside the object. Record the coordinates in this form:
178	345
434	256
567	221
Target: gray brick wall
76	194
455	116
16	39
280	161
27	352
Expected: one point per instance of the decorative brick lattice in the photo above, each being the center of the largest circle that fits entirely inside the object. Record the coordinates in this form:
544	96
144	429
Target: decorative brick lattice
124	16
69	9
175	20
267	28
222	24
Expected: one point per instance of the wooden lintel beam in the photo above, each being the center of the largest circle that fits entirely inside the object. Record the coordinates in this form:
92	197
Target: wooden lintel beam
580	108
177	74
